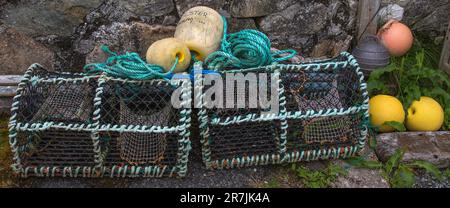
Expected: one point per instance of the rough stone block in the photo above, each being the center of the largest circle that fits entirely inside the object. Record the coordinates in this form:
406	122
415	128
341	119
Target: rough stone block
433	147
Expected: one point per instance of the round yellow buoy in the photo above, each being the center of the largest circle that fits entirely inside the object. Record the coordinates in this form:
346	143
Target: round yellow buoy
201	28
164	53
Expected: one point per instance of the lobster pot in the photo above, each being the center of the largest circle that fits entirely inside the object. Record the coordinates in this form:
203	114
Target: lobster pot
322	113
79	125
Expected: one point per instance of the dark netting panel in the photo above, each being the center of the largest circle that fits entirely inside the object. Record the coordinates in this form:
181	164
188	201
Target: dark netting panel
323	132
321	90
57	148
245	139
243	100
57	102
166	156
138	104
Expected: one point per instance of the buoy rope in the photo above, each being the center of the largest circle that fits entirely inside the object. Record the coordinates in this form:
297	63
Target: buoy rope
245	49
128	65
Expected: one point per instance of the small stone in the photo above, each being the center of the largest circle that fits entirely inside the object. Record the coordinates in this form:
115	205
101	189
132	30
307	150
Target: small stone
251	8
18	52
170	20
391	11
433	147
360	178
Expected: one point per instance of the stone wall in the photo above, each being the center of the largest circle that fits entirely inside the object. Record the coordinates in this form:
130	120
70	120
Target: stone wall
66	34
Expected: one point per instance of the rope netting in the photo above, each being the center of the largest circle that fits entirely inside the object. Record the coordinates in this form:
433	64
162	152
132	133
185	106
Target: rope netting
141	148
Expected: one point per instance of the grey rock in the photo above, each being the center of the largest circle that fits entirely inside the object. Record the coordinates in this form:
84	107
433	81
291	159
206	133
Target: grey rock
251	8
426	17
109	11
427	180
433	147
148	11
122	37
399	2
148	7
18	52
184	5
305	27
45	17
237	24
170	20
360	178
283	4
391	11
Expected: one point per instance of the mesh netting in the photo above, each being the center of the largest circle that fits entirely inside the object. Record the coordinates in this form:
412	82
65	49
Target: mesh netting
245	139
114	148
56	148
62	102
138	148
323	132
65	102
145	105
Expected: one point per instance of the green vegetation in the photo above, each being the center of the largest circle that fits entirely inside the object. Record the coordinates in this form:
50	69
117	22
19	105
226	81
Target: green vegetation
447	173
273	183
4	145
400	127
413	75
5	154
318	178
396	172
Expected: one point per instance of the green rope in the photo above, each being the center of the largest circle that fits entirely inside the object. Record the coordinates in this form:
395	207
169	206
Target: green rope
128	65
244	49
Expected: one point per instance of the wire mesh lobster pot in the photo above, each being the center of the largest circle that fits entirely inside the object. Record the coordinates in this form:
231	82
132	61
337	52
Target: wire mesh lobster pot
322	114
79	125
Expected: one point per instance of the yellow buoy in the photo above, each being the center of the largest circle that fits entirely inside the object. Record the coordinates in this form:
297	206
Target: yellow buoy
201	28
164	53
425	114
384	108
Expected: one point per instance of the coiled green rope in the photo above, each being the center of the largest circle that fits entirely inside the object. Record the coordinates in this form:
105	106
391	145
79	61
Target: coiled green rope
128	65
244	49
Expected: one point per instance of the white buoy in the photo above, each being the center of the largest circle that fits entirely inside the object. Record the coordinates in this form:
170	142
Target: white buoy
201	28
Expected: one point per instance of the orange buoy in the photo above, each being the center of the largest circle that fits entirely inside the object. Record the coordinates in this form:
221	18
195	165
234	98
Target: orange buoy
396	37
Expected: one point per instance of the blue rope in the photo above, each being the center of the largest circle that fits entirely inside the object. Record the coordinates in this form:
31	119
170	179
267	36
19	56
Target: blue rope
128	65
244	49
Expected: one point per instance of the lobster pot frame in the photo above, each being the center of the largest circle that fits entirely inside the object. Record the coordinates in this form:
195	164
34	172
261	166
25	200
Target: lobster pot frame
79	125
323	114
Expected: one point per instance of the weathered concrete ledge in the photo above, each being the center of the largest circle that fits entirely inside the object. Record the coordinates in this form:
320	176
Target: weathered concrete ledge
8	87
433	147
